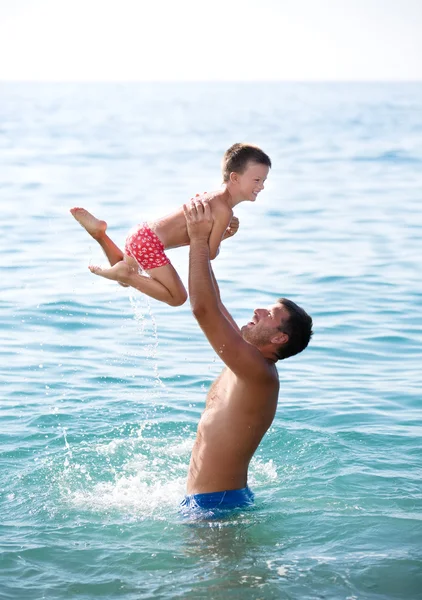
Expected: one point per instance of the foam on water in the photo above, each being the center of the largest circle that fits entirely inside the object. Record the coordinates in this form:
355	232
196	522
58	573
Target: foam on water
143	476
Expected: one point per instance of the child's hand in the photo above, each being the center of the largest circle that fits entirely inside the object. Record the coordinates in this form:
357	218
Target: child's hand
199	219
232	228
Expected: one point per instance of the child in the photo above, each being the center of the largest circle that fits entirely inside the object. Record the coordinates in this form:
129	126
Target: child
245	169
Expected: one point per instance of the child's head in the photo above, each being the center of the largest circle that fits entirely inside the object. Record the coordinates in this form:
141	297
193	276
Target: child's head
245	169
237	158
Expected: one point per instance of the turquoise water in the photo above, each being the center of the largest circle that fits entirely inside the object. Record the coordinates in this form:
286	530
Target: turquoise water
102	389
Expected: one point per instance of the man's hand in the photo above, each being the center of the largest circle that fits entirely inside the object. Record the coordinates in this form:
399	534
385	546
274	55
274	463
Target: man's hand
199	219
232	228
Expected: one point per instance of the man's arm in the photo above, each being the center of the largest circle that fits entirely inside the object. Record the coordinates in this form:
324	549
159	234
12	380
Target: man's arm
223	334
221	305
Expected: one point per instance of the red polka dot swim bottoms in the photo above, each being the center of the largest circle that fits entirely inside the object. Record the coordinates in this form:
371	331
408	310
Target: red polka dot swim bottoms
145	247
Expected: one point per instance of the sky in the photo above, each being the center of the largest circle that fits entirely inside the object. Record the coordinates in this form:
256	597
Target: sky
214	40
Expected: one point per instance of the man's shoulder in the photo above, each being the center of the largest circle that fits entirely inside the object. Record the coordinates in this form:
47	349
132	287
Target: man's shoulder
265	373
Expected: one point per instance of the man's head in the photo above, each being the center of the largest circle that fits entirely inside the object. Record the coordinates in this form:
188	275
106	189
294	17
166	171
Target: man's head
283	329
246	167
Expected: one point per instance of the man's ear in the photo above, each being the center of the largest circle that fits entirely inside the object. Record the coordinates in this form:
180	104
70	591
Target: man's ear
280	338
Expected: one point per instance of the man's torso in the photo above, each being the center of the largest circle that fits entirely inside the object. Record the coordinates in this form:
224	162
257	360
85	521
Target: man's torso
236	417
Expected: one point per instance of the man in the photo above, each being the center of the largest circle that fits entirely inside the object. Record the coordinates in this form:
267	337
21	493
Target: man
241	403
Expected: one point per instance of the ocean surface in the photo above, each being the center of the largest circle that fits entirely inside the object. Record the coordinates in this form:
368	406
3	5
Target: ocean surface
102	389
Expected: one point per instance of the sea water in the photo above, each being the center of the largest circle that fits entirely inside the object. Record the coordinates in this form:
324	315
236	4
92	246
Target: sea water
102	388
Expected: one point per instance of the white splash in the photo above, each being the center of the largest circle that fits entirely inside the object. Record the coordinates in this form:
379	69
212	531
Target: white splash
129	493
262	472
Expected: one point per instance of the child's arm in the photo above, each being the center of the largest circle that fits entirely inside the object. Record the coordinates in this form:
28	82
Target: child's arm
232	228
221	220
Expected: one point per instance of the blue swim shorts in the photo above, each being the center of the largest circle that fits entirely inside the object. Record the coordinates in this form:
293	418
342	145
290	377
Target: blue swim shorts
227	500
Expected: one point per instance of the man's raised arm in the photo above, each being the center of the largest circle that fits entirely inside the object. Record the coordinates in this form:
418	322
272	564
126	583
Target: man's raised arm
222	333
222	307
202	292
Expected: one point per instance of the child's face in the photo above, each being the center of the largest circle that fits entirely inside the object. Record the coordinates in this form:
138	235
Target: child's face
252	180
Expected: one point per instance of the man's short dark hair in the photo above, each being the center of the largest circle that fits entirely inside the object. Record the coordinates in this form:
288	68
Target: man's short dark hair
237	157
298	327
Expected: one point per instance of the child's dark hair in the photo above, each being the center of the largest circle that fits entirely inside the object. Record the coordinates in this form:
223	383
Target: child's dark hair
237	157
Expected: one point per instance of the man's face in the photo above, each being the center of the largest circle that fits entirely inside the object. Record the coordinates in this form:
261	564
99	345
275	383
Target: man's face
252	180
264	325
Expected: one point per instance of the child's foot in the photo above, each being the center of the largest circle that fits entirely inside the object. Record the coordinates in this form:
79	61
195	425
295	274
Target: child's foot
93	226
120	272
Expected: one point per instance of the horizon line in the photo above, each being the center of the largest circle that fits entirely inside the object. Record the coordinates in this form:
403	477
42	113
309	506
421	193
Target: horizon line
199	81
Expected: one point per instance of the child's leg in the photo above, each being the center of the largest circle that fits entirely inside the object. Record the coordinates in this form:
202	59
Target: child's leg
97	229
163	283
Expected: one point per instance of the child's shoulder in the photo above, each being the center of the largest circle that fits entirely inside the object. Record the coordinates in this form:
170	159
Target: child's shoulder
218	202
